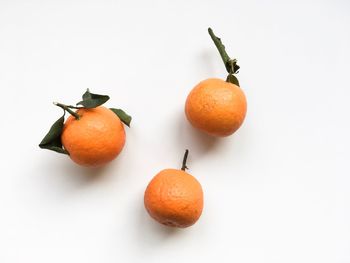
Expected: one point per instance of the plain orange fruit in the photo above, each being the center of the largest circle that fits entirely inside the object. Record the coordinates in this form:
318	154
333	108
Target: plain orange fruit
95	139
174	198
216	107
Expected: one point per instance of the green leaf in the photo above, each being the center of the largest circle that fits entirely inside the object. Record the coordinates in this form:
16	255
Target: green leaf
230	64
232	79
52	140
91	100
122	116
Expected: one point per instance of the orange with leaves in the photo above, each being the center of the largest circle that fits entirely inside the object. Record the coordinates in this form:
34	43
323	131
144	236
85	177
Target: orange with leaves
92	136
215	106
174	197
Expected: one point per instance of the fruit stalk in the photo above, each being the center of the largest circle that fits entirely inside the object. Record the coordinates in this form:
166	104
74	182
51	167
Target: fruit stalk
184	167
67	108
230	64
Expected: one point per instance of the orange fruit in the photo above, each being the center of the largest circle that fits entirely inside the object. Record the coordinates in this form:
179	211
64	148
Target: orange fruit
216	107
94	139
174	198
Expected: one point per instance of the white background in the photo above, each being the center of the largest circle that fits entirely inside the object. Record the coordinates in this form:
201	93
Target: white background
276	191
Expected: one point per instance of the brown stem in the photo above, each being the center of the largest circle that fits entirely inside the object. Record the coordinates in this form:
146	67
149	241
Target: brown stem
67	108
184	167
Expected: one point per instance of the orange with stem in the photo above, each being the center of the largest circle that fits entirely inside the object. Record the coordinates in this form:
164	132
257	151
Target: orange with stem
92	136
215	106
174	197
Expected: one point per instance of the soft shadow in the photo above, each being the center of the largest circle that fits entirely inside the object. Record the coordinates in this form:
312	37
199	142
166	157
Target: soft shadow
63	176
198	142
83	175
150	233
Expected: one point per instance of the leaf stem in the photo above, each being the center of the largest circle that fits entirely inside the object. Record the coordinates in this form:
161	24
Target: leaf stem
184	167
230	64
74	107
221	48
67	108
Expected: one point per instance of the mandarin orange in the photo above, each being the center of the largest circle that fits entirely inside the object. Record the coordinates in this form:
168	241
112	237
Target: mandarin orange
216	107
94	139
174	198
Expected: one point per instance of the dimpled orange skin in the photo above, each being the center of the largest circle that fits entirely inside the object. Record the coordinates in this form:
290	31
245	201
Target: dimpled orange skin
95	139
174	198
216	107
